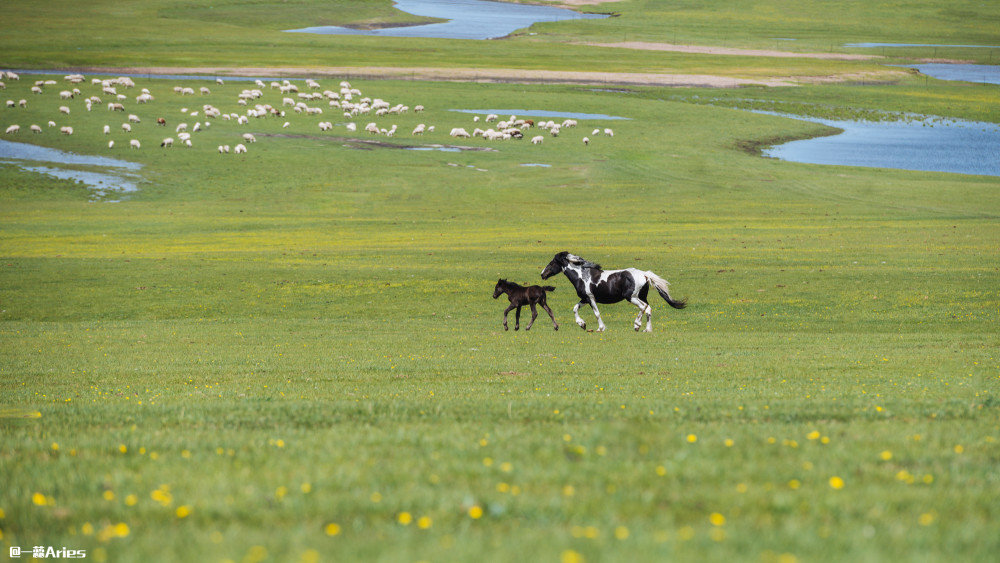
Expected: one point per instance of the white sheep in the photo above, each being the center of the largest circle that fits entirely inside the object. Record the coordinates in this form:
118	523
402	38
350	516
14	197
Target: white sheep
609	132
586	140
111	144
107	129
240	149
64	109
204	91
134	118
126	128
352	126
168	142
537	140
66	130
36	129
134	144
13	129
248	137
181	127
419	130
569	123
65	94
460	132
595	132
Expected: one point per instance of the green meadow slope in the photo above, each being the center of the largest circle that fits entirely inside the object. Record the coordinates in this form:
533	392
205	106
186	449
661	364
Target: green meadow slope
292	354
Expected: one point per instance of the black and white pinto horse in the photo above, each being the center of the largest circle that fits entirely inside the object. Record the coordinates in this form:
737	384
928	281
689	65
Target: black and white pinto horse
595	285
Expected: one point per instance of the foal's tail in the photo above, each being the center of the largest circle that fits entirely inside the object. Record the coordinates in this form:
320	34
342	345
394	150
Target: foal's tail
662	286
548	288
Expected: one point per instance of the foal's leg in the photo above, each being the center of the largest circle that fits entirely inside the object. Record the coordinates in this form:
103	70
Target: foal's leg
505	311
517	318
551	316
534	315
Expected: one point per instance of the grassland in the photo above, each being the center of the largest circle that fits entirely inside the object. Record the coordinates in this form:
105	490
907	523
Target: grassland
293	355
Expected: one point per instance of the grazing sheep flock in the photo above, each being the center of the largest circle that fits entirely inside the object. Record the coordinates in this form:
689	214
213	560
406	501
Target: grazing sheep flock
248	107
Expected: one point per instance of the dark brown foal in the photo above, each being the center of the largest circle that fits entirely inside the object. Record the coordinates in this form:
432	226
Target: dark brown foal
520	296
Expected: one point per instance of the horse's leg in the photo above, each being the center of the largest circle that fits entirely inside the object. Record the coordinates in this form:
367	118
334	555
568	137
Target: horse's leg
505	311
600	321
576	313
551	316
643	308
534	315
517	318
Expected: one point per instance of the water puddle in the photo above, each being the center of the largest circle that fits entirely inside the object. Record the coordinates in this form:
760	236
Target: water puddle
982	74
120	180
505	113
930	144
533	164
468	19
441	148
877	45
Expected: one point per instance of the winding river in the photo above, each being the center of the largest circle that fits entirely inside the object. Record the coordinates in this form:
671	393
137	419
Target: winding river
468	19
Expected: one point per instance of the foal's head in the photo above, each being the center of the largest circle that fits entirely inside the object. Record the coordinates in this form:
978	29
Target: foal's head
500	289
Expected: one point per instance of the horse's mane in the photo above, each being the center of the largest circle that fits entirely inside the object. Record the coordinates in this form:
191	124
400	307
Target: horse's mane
584	263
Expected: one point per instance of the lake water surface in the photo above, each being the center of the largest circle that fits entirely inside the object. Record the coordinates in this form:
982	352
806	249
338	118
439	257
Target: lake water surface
931	144
469	19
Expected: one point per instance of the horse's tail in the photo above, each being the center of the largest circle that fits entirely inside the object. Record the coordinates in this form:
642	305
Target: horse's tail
548	288
663	288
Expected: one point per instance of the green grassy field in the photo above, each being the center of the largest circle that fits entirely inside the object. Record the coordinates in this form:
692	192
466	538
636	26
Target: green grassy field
292	355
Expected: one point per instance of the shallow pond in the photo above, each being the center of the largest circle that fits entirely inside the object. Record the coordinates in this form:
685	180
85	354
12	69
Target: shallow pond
930	144
118	179
877	45
468	19
983	74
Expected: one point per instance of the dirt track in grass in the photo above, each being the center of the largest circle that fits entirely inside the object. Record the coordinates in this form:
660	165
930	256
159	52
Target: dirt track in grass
503	75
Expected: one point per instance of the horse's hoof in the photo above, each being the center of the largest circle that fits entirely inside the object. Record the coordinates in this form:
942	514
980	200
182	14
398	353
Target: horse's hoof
557	327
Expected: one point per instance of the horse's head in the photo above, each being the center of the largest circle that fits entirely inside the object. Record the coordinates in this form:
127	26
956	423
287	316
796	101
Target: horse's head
563	260
499	289
557	265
